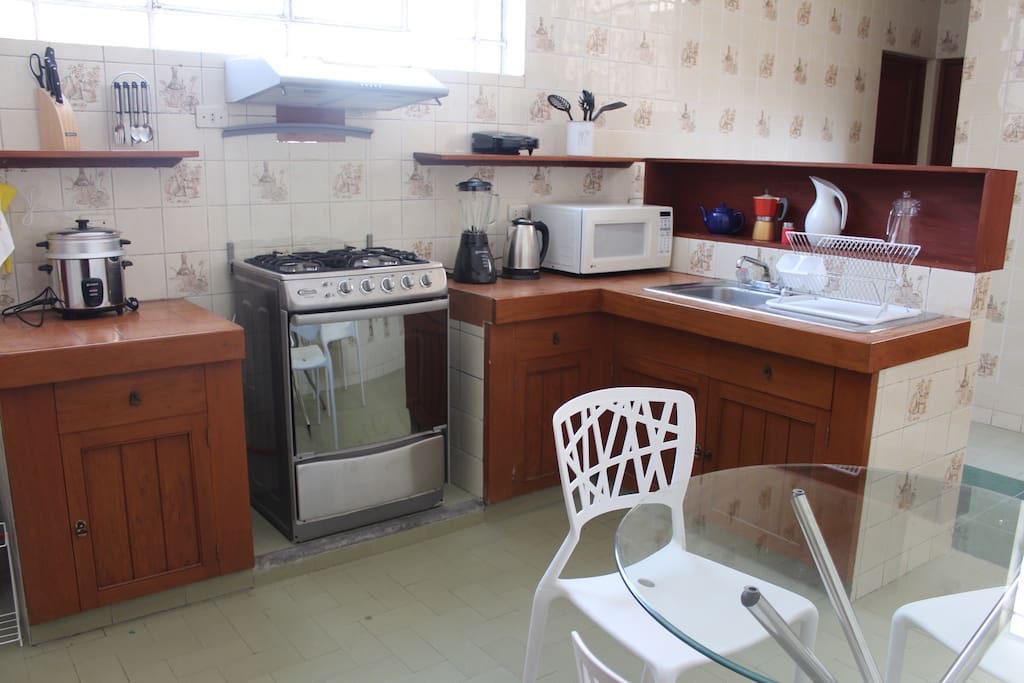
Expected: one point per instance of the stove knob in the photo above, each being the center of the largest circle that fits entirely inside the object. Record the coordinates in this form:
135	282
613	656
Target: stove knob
387	284
366	286
345	287
426	280
407	282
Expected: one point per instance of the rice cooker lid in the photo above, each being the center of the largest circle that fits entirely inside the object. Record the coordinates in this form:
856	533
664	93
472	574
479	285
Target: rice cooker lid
84	242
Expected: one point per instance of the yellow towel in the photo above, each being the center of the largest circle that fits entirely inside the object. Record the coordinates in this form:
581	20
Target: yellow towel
7	194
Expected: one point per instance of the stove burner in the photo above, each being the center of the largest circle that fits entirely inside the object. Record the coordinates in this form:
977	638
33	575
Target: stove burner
348	258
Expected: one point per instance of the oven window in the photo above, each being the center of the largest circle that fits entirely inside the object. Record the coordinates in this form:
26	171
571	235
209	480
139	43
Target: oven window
356	384
613	240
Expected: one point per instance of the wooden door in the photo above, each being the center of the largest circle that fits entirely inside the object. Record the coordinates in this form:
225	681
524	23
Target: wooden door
533	368
947	102
140	507
747	427
643	372
898	114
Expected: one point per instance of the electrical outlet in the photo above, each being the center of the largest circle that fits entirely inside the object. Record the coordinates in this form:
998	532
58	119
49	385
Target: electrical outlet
211	116
518	211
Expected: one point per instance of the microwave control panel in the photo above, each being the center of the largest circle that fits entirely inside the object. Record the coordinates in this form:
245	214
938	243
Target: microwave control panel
665	231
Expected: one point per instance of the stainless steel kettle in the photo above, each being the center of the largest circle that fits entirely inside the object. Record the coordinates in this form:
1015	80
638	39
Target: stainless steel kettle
525	247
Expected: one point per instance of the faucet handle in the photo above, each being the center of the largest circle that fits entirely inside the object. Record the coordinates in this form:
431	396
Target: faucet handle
742	274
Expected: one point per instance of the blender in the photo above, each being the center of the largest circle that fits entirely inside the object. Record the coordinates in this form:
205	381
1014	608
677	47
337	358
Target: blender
474	263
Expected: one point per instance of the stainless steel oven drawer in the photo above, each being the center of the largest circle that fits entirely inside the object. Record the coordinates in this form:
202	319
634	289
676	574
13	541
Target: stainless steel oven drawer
342	485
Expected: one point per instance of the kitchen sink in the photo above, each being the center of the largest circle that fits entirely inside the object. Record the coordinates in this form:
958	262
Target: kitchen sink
767	300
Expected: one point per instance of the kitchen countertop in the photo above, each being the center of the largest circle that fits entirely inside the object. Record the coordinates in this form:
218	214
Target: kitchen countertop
160	334
554	295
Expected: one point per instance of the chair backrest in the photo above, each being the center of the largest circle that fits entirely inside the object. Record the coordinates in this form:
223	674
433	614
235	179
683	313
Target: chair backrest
604	436
589	668
308	333
334	331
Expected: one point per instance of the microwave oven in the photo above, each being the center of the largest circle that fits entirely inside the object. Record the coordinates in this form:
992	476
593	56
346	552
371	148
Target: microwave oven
587	239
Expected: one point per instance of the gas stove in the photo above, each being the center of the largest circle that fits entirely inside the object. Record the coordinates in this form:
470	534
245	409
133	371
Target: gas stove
345	278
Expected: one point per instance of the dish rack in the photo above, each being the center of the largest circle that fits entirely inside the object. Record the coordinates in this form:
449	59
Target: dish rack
852	278
10	627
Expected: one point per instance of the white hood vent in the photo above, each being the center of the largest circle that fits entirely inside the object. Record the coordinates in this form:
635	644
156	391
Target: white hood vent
312	83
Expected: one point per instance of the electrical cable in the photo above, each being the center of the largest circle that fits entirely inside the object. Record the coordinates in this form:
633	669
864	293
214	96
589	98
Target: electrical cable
45	299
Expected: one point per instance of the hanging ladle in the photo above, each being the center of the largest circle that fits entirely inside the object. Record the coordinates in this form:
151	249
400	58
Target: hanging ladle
561	104
611	106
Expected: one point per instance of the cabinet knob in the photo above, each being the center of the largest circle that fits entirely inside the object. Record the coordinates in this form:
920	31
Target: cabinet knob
707	454
555	339
697	451
81	528
135	398
767	371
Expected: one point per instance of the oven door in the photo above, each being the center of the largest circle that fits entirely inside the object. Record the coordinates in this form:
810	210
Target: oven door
367	377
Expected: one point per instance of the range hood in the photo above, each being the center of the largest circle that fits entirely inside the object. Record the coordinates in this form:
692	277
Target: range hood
313	83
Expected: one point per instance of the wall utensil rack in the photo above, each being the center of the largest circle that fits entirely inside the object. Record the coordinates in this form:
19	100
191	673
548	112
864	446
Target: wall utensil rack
10	627
857	279
130	107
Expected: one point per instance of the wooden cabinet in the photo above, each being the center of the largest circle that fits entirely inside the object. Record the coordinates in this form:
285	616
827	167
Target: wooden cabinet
532	368
144	481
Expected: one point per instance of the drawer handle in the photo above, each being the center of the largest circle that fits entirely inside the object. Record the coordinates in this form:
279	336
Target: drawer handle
555	339
81	528
135	398
767	371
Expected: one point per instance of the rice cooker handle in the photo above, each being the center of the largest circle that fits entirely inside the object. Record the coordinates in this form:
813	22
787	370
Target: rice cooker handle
47	268
83	223
124	242
44	244
125	264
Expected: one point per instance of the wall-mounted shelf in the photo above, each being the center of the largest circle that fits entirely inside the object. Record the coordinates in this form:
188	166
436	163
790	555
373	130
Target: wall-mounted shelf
963	223
92	158
428	159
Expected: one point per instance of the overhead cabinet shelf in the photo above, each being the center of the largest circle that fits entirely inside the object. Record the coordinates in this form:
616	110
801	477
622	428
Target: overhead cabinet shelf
428	159
92	159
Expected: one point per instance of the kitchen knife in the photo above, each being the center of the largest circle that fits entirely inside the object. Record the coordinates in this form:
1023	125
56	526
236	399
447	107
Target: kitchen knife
48	74
55	82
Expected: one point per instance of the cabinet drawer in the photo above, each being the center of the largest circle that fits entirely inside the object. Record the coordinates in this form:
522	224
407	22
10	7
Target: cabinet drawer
549	337
124	399
773	373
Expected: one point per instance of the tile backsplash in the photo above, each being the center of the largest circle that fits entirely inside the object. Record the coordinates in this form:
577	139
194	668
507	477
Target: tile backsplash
778	79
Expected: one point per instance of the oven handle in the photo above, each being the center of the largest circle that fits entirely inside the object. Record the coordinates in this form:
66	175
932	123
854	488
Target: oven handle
366	313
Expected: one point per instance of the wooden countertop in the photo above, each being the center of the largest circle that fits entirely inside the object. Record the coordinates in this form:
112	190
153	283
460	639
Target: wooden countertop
555	295
161	334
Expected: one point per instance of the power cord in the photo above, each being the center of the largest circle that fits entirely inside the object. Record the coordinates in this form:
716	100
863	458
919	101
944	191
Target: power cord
45	299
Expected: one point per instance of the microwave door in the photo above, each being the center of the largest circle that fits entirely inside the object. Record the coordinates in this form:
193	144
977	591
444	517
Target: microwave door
614	243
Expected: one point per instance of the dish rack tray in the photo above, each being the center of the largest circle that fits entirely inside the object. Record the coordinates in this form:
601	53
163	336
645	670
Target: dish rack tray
859	269
10	627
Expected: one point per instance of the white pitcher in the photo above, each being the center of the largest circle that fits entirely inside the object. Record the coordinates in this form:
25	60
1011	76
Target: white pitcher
824	217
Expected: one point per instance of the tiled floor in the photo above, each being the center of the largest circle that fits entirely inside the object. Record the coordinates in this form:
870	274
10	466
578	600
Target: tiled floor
448	607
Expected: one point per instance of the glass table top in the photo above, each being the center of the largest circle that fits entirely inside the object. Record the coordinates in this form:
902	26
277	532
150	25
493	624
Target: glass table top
894	537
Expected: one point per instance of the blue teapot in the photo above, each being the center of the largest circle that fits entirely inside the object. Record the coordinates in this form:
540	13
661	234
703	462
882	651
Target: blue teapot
723	220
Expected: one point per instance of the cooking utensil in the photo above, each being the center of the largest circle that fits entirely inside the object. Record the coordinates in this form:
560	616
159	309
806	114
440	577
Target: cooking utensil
145	130
133	133
35	65
119	136
87	267
587	104
525	247
611	106
561	104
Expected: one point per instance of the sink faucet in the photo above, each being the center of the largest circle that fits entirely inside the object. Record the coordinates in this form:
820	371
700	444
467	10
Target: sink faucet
743	275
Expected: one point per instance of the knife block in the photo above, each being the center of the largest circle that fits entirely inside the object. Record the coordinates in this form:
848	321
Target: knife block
58	127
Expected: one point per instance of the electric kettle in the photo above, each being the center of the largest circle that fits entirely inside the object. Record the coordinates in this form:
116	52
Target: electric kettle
525	247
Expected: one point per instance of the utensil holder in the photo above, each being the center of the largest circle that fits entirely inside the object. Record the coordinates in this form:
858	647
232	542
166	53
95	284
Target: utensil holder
145	104
58	127
579	139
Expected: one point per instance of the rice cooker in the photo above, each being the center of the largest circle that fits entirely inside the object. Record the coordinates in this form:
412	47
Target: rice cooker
86	267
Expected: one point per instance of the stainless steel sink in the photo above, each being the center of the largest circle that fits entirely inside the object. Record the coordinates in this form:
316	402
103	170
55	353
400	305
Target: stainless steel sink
733	295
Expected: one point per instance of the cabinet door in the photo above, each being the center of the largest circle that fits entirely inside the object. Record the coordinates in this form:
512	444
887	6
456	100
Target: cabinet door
643	372
140	507
533	368
747	427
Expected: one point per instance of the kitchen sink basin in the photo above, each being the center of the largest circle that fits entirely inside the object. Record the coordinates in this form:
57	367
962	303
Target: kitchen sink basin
733	295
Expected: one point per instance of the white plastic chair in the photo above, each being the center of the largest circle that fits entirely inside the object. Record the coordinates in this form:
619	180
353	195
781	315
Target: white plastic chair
598	437
310	357
590	669
952	620
330	332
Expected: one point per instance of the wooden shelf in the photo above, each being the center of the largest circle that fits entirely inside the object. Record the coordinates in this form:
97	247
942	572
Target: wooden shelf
92	158
963	224
428	159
